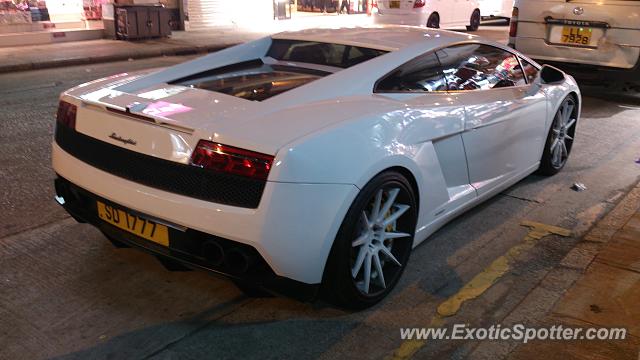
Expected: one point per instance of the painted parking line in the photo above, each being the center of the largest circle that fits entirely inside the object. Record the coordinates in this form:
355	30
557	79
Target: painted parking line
480	283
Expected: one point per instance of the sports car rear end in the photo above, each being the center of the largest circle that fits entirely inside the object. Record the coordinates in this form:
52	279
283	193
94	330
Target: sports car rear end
185	168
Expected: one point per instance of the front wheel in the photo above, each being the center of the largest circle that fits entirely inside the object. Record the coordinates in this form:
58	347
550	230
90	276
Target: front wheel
560	138
373	244
474	22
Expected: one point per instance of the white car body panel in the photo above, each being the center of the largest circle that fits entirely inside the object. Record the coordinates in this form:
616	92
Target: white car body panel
616	46
453	13
496	8
503	126
282	225
329	138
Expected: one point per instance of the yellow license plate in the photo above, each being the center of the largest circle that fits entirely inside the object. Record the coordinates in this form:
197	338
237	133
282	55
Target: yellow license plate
136	225
575	35
394	4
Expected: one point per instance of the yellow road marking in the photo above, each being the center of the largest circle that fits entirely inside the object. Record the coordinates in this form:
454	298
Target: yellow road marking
544	229
480	283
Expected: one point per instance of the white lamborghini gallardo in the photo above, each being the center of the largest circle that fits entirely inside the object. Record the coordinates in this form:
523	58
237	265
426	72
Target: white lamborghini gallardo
309	162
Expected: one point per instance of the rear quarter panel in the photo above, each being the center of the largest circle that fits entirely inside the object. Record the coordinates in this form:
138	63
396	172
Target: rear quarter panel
394	133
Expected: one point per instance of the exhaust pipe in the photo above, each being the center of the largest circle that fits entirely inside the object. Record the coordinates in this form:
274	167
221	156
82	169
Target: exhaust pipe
213	252
238	261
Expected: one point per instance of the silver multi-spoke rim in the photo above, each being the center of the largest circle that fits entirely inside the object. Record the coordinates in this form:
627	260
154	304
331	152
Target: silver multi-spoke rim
374	242
562	125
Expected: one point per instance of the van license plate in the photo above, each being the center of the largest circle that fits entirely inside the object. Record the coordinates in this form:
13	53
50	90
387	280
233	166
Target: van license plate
575	35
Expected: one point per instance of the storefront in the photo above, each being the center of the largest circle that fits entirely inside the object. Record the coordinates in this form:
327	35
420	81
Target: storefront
16	12
354	6
203	14
34	22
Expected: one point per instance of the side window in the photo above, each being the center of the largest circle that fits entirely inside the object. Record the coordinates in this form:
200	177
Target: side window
422	74
530	71
479	67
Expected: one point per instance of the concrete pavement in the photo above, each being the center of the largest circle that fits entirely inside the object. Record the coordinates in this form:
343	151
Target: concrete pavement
22	58
596	285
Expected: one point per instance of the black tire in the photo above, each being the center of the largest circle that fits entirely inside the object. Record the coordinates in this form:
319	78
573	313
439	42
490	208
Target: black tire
474	21
434	21
339	286
549	164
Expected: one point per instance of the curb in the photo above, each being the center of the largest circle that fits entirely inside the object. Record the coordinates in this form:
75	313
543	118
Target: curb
193	50
551	289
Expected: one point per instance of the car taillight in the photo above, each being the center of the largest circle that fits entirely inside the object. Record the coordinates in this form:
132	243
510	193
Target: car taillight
374	3
419	3
67	114
232	160
513	27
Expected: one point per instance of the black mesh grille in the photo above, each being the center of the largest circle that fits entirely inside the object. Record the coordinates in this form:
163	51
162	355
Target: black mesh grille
161	174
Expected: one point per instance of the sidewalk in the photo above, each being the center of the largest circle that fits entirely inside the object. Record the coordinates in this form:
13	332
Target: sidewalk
606	295
94	51
21	58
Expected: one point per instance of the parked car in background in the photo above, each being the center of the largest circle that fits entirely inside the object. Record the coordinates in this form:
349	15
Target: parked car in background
429	13
496	9
596	39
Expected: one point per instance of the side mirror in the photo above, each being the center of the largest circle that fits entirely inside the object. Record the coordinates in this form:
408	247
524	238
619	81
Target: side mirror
551	75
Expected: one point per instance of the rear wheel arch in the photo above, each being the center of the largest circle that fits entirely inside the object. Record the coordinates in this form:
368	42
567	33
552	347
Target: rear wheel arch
333	285
410	177
400	164
402	170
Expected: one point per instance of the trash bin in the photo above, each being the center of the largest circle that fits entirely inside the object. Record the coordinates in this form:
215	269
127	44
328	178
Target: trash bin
142	21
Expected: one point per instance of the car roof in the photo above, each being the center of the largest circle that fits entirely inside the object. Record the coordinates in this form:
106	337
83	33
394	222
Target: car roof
384	37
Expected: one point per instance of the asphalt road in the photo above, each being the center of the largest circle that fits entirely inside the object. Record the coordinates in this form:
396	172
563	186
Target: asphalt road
66	292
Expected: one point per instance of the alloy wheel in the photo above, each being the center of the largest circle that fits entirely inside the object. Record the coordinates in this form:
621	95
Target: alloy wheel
374	258
562	133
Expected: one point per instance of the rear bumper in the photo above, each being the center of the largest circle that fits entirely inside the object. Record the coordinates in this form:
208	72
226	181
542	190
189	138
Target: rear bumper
187	246
292	229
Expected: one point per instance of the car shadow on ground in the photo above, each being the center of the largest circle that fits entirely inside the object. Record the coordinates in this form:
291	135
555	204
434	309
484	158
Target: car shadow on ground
240	327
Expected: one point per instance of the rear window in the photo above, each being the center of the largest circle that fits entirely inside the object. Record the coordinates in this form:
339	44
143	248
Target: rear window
252	80
320	53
